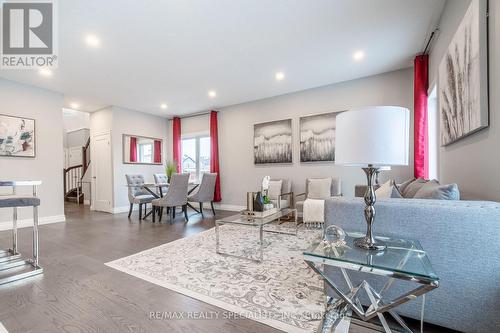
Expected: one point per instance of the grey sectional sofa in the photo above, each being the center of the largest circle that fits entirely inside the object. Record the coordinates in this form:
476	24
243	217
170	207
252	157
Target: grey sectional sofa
462	239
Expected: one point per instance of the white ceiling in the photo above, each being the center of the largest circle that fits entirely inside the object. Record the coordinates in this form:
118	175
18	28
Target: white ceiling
174	52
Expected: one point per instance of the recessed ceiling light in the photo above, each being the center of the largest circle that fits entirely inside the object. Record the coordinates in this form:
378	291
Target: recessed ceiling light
280	76
92	40
45	72
164	106
74	105
212	94
358	55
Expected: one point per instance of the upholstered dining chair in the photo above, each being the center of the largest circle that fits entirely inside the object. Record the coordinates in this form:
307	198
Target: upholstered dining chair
205	192
161	178
136	194
176	196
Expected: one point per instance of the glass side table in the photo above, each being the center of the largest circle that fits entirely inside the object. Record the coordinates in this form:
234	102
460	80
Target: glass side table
403	260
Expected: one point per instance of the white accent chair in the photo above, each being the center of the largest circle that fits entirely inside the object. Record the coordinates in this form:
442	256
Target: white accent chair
315	189
280	193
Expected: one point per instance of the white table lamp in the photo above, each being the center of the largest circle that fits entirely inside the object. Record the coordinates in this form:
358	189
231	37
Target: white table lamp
371	138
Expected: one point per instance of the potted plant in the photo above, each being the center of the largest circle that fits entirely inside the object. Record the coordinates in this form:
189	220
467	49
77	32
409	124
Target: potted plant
170	169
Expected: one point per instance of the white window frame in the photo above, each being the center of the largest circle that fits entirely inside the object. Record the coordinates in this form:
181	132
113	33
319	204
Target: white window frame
197	137
433	124
141	152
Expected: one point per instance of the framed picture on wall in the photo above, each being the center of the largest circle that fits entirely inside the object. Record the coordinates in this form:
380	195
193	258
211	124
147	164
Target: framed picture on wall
17	136
317	137
272	142
463	77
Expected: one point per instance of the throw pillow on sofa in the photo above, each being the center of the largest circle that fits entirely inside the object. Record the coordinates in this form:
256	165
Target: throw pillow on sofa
433	190
411	189
388	190
402	187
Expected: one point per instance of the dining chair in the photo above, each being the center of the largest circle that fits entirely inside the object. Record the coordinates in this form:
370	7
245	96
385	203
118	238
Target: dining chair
176	196
205	192
136	194
161	178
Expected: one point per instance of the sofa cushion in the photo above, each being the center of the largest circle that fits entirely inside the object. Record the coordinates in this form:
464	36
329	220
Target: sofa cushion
319	188
433	190
274	189
411	189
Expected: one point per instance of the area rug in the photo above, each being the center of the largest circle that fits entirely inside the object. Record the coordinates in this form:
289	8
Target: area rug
282	291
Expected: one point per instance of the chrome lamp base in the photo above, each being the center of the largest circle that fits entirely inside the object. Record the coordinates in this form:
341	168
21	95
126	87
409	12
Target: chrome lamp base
368	242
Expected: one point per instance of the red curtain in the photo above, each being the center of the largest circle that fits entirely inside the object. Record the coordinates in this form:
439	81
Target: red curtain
421	140
177	142
133	149
157	151
214	154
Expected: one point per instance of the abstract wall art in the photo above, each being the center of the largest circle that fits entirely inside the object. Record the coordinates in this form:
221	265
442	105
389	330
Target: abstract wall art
17	136
317	138
463	77
272	142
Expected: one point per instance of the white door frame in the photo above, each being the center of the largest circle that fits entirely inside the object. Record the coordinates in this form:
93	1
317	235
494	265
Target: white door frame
95	183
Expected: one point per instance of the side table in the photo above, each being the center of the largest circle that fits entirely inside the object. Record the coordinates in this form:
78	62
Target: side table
403	260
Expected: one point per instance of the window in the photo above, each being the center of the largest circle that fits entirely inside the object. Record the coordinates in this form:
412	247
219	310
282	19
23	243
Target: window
433	130
196	156
146	152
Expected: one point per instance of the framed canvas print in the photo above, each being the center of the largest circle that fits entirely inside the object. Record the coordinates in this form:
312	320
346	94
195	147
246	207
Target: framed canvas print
17	136
272	142
463	77
317	138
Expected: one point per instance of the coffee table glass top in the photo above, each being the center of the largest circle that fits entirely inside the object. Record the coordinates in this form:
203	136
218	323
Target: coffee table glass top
402	256
251	220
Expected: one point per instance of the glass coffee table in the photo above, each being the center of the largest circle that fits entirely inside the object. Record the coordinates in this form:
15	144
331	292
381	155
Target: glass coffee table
257	222
403	259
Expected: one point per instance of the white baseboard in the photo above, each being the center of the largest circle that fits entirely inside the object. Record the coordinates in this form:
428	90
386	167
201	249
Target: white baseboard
25	223
85	202
232	208
124	209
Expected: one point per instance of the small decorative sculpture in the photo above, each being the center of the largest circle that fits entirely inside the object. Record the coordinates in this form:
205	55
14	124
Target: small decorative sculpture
334	237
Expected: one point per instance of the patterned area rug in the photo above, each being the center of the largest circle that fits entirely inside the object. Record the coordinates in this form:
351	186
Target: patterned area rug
282	291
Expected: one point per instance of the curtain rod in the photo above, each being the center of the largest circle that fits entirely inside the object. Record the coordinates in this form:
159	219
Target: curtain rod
192	115
431	37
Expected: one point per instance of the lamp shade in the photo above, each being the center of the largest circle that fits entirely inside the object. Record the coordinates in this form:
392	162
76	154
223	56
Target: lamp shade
377	135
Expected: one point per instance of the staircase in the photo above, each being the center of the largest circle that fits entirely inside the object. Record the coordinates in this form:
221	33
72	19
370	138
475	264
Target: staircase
73	177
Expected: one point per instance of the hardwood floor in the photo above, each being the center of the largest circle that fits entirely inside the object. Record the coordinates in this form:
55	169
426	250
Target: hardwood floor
78	293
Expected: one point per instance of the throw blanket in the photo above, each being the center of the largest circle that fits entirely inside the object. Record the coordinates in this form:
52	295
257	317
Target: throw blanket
314	211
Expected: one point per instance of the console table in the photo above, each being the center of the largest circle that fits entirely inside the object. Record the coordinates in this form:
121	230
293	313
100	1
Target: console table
11	259
403	260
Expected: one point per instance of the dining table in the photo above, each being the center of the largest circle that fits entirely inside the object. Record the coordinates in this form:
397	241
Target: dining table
157	190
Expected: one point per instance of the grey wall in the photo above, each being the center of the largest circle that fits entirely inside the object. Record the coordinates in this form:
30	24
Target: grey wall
239	174
121	121
135	123
473	162
45	107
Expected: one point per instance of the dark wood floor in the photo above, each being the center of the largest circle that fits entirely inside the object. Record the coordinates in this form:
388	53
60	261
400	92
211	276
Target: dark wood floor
78	293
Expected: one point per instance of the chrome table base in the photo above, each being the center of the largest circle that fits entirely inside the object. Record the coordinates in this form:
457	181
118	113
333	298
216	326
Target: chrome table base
337	309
